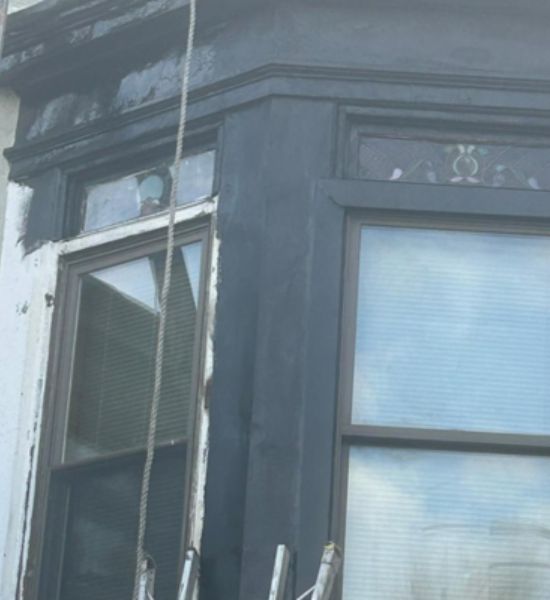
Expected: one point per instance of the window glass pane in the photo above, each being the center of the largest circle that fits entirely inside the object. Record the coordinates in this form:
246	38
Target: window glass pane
430	525
453	330
147	192
196	177
114	360
453	163
101	539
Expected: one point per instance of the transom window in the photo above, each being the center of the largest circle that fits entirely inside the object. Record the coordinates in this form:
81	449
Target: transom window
146	191
446	412
379	150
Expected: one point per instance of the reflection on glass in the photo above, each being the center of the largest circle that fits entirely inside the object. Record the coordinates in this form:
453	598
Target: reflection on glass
147	192
429	525
114	359
102	530
453	330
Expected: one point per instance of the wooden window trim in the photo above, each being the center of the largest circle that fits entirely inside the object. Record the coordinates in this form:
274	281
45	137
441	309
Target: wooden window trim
57	396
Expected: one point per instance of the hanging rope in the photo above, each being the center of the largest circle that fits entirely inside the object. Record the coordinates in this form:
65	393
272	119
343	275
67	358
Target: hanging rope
159	356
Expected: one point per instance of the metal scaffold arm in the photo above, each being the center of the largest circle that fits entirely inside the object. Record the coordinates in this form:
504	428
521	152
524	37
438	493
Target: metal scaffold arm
331	562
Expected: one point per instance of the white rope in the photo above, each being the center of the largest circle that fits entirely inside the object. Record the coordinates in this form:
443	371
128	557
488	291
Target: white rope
159	357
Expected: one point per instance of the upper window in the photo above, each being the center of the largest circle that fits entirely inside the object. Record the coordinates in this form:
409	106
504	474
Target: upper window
445	459
145	192
98	430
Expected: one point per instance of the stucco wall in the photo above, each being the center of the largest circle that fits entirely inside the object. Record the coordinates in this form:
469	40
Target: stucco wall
24	281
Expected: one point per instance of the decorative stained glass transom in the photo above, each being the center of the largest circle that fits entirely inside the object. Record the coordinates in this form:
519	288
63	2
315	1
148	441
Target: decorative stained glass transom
452	163
147	191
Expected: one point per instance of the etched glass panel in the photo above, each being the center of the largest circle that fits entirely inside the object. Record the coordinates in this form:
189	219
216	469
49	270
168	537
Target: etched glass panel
433	525
113	374
453	330
147	191
442	162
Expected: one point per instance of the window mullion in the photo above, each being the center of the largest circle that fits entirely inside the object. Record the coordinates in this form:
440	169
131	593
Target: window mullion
442	438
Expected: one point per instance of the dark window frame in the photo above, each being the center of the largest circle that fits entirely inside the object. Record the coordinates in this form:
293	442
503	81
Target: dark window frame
340	206
43	570
349	434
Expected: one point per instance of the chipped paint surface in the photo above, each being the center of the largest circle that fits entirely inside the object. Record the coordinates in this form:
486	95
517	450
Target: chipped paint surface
27	299
9	108
26	324
198	483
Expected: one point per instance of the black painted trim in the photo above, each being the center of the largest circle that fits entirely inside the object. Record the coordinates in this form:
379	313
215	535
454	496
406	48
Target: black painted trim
442	199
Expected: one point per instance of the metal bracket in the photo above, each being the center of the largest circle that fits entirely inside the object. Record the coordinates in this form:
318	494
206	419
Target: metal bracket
189	575
280	573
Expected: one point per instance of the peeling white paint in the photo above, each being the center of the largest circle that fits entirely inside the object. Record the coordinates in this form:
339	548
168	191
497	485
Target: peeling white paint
9	109
26	324
198	482
26	282
138	227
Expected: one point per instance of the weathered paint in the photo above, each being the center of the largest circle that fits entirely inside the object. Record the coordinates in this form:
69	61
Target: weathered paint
28	287
285	82
26	283
9	107
198	482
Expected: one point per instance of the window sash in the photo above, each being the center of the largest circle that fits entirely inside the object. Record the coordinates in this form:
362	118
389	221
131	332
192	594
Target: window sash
51	470
348	434
67	337
60	507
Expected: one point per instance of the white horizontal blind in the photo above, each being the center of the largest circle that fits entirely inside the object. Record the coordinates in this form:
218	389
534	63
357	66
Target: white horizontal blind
114	361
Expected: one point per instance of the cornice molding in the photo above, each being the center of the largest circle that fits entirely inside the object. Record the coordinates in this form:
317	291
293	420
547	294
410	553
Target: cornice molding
56	18
56	40
290	80
48	45
57	37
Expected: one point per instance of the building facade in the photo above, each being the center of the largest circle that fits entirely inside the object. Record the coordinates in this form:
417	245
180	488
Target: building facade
358	339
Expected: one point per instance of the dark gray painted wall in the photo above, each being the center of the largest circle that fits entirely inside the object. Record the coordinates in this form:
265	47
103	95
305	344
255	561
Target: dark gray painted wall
426	38
283	129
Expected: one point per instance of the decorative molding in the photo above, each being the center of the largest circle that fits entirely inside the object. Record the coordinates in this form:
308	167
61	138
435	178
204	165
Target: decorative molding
72	48
208	102
49	19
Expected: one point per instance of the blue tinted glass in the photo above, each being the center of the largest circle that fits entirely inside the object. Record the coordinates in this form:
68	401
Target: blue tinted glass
428	525
453	330
147	192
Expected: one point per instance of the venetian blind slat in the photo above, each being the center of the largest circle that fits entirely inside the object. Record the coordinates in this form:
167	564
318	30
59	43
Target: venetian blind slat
114	360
